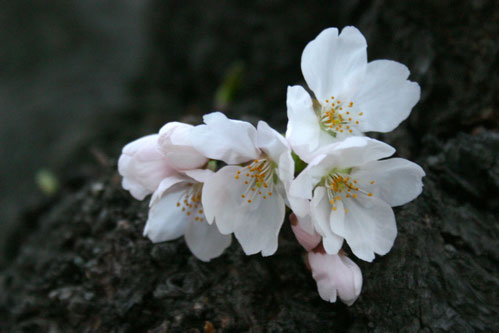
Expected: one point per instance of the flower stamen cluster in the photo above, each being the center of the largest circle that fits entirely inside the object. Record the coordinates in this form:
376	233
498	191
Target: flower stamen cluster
337	116
191	203
338	185
259	178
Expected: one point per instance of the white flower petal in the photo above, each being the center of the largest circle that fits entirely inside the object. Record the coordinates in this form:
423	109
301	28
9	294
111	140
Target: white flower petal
286	169
231	141
165	185
353	151
306	181
255	224
271	142
333	243
301	208
143	166
395	181
335	65
387	97
336	275
368	227
185	160
257	227
166	221
303	130
303	185
175	142
321	212
278	150
199	175
205	241
221	196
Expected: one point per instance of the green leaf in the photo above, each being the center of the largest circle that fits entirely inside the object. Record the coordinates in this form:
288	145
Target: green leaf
226	92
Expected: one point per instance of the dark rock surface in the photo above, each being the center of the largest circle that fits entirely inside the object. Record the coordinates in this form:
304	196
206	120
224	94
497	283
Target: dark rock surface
78	262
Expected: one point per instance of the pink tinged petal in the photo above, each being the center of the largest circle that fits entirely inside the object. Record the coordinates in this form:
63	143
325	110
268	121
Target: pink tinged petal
368	227
321	212
205	241
303	130
165	185
255	224
335	65
185	160
275	146
395	181
387	97
143	166
166	221
353	151
231	141
137	191
175	142
199	175
336	275
308	240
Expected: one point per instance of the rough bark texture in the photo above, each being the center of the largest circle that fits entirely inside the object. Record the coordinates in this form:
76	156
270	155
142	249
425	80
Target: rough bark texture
78	262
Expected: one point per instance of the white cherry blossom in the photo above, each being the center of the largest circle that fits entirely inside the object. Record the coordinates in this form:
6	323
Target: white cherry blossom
352	96
246	197
351	192
176	209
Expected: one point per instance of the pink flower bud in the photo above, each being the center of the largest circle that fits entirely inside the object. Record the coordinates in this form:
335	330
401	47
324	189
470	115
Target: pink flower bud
336	275
307	240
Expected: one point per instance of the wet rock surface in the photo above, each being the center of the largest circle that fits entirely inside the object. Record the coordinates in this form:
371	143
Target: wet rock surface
78	261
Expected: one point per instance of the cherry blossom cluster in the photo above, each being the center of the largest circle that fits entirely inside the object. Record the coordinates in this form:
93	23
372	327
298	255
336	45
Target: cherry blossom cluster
226	177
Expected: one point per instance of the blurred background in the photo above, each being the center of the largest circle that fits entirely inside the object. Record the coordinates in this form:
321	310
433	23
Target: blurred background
81	78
